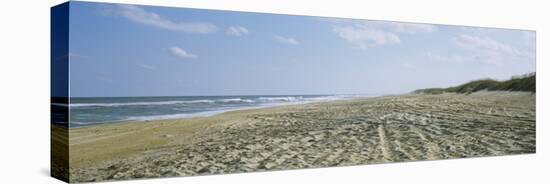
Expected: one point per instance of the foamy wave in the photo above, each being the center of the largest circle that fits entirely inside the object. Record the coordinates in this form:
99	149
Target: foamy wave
275	101
174	116
281	99
186	115
259	100
228	100
325	98
139	103
202	107
236	100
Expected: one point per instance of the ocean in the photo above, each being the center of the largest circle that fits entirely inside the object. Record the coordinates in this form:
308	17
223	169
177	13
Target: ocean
91	110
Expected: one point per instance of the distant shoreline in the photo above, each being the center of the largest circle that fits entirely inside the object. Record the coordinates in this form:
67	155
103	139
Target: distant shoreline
260	95
214	113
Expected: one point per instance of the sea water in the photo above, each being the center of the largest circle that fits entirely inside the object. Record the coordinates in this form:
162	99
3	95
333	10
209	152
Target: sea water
91	110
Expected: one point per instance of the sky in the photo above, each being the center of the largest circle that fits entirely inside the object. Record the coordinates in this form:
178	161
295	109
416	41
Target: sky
129	50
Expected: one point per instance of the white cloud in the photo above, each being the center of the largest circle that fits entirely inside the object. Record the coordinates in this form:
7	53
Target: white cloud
367	34
179	52
147	67
141	16
524	49
236	31
482	43
480	30
487	50
365	37
401	27
286	40
483	50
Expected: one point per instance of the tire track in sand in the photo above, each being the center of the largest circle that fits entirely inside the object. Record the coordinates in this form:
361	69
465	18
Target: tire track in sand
433	150
384	146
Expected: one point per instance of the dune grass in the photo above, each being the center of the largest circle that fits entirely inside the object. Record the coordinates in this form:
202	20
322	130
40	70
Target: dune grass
526	83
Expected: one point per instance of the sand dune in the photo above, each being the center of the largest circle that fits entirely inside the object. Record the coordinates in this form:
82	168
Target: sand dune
339	133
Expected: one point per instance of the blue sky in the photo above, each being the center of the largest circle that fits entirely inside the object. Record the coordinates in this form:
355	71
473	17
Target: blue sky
127	50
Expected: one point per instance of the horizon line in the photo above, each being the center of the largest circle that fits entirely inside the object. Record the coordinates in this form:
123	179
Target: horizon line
225	95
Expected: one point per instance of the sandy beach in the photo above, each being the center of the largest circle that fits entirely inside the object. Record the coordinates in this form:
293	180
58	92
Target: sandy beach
337	133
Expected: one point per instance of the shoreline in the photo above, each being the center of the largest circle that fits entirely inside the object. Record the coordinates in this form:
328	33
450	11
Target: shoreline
337	133
217	112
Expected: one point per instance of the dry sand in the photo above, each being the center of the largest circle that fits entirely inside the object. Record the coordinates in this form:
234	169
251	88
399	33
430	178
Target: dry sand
339	133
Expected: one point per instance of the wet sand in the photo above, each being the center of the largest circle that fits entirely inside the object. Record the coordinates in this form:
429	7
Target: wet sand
338	133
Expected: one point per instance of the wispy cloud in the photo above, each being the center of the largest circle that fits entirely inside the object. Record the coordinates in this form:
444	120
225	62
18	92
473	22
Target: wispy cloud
180	53
365	37
484	43
401	27
367	34
236	31
147	67
484	50
487	50
141	16
286	40
481	31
